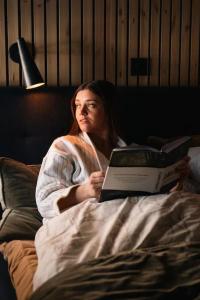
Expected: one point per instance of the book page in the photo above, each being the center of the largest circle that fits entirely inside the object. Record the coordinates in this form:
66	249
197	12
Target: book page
132	179
174	144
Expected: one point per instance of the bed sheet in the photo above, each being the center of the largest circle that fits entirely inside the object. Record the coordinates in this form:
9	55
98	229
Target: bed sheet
167	273
91	230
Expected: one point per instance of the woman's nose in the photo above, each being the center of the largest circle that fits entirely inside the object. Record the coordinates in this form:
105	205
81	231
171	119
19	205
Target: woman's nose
83	110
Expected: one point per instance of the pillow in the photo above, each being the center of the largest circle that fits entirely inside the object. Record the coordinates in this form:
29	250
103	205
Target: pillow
19	224
194	153
18	182
192	183
22	263
20	218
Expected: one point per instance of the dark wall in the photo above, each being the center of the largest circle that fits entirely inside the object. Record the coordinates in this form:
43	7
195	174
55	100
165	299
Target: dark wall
165	112
29	121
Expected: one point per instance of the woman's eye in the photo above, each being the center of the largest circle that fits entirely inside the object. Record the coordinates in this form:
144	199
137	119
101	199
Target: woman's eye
88	106
91	105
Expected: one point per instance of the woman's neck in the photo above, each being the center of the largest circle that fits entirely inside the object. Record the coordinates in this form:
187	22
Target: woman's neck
103	143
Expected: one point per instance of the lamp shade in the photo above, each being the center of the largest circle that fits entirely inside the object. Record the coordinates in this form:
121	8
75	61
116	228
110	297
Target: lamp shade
31	73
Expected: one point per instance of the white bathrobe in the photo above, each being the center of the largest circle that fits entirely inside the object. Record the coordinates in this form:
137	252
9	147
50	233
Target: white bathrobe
69	162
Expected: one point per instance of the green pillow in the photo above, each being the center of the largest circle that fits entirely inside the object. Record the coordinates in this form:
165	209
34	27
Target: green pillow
19	224
18	182
20	218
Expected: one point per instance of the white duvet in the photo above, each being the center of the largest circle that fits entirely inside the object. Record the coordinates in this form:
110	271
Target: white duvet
92	229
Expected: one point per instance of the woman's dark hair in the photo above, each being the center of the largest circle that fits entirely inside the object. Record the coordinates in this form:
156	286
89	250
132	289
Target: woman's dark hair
107	92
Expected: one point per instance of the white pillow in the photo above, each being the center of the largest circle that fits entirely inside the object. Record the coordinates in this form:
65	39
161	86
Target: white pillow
192	183
194	153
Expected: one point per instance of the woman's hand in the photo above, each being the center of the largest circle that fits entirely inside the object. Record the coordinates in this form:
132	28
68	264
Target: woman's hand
91	188
183	169
94	184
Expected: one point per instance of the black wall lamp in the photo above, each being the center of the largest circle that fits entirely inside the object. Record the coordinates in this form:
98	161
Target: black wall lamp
19	53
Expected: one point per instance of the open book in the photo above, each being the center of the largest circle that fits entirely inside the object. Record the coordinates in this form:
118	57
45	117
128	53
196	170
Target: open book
141	170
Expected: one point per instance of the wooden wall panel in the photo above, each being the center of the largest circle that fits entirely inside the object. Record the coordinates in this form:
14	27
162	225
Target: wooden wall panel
144	35
79	40
76	42
195	35
88	40
26	20
133	50
175	43
185	42
25	26
3	54
39	36
122	43
51	39
111	36
13	34
165	43
64	43
99	39
155	42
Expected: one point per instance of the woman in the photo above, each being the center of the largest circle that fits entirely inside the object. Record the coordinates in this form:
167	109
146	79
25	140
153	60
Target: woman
73	169
71	176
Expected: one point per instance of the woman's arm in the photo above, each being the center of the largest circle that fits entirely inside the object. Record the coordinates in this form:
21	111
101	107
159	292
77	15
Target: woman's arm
54	182
90	189
64	182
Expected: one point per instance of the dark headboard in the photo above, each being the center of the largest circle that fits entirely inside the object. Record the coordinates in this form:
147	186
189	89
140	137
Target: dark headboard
29	121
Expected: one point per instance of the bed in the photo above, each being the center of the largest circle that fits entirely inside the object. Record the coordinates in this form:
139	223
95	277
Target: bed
152	251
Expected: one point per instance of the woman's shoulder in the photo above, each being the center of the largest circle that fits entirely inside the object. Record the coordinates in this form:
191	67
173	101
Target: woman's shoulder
65	144
71	138
61	148
65	138
61	141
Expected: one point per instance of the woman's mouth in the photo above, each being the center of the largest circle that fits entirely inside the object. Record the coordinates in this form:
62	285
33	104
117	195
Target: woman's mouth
84	120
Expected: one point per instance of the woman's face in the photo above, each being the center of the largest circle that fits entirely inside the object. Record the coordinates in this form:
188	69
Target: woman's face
90	112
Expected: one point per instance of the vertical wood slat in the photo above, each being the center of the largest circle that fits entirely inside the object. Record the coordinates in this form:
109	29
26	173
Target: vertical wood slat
87	40
185	43
3	53
122	43
110	66
144	36
51	22
99	40
195	31
165	43
76	42
26	29
133	38
64	40
175	43
13	33
38	9
154	42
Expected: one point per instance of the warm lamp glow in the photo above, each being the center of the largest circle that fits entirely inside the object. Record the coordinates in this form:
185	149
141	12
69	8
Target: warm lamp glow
35	85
